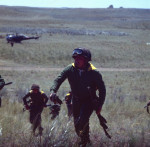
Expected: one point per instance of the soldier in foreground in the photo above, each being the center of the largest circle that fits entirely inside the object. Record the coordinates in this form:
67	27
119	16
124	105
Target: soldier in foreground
34	101
82	76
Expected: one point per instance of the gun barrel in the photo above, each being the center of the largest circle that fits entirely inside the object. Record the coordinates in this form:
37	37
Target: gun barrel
8	83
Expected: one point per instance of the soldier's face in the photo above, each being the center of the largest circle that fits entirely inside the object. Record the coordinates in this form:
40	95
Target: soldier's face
80	62
35	90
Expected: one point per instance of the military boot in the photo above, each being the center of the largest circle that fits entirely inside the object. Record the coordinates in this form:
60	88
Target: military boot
84	141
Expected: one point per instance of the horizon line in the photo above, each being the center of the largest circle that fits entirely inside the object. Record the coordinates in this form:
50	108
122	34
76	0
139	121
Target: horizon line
121	7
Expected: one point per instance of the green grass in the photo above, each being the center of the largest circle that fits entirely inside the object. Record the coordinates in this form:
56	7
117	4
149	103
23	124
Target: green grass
56	50
107	50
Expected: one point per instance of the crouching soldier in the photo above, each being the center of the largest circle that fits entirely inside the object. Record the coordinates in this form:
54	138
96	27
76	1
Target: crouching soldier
34	101
2	83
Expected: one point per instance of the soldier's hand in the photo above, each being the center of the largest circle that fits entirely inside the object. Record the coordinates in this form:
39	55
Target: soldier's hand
27	107
53	97
98	111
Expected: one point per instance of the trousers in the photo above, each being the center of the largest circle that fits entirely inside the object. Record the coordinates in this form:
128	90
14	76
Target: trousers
81	114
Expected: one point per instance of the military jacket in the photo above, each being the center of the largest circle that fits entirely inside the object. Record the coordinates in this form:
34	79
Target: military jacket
36	99
80	81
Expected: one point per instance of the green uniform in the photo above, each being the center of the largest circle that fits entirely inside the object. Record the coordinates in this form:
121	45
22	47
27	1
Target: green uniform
37	103
80	81
82	98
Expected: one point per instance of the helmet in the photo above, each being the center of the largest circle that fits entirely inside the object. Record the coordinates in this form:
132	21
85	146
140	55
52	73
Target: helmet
82	52
35	86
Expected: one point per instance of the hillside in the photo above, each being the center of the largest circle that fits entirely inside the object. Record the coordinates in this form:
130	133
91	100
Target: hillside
46	20
109	33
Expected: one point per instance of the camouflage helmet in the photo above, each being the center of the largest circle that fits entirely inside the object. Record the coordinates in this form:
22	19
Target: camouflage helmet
82	52
35	86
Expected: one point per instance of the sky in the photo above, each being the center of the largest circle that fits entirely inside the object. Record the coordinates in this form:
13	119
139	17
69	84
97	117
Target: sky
79	3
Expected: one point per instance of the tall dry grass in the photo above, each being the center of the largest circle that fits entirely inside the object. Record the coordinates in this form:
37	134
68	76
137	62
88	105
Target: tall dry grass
128	121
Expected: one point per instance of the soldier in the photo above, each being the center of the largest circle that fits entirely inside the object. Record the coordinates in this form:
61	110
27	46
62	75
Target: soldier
81	75
2	83
35	104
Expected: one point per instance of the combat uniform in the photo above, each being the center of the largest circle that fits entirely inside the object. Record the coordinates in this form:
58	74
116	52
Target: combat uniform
36	103
80	81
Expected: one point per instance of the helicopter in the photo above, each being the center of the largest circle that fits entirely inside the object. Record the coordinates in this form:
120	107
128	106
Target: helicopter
17	38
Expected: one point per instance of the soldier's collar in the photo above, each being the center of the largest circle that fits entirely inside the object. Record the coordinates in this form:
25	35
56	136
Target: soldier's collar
89	67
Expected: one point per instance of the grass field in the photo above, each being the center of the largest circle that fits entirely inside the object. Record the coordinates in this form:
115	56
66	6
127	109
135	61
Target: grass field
117	38
124	110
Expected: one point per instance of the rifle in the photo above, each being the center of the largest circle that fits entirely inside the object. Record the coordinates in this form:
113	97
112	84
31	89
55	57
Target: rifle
102	120
54	110
8	83
5	85
57	100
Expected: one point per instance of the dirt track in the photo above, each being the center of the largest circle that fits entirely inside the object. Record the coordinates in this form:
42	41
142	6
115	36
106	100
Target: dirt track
28	68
